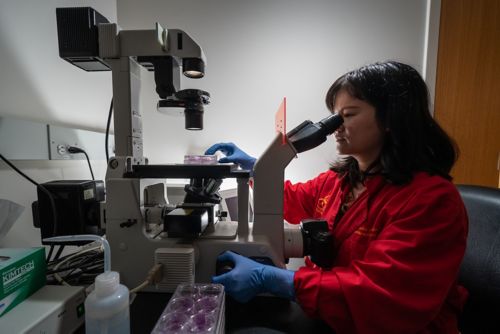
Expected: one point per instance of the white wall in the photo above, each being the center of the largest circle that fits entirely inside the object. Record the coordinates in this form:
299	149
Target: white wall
260	51
35	84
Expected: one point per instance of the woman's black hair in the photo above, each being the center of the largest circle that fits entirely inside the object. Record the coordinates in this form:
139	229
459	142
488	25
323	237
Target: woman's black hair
414	141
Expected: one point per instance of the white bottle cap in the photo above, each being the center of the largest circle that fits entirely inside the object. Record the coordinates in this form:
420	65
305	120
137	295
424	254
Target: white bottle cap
107	283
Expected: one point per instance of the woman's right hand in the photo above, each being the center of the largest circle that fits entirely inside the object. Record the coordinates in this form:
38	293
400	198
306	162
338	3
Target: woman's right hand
232	154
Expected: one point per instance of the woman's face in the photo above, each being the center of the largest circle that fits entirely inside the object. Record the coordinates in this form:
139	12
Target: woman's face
360	136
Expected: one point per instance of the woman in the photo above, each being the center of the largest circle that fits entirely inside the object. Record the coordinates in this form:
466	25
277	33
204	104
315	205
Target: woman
399	224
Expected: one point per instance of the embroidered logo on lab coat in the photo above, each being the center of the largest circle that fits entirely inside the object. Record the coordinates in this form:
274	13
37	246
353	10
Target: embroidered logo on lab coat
372	232
321	205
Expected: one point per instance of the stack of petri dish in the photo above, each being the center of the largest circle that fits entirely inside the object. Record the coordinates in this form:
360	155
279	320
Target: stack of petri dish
200	159
194	308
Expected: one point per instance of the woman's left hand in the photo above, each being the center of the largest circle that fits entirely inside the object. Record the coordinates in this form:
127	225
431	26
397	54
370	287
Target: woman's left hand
249	278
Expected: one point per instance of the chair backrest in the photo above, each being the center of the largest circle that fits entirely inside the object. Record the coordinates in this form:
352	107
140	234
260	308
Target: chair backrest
480	269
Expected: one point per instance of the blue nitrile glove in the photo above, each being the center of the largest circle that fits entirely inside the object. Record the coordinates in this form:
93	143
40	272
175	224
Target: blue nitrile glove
233	154
249	278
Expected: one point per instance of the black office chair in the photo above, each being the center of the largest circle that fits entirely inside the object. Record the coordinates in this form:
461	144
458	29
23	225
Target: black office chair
480	269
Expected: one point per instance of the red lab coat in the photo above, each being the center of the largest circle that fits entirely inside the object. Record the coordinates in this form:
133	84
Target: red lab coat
398	250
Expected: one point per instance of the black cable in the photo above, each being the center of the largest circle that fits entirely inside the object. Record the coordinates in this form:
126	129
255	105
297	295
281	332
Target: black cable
75	265
80	270
83	278
85	267
17	170
59	251
157	234
84	275
49	195
50	253
74	149
90	167
108	124
65	256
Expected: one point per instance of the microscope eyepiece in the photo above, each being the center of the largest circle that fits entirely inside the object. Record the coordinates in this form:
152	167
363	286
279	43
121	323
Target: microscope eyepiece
331	123
308	135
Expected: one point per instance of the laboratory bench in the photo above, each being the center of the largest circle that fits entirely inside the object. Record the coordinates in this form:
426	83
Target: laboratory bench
263	314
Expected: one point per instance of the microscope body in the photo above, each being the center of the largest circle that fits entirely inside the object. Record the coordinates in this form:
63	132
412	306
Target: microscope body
135	206
137	214
137	240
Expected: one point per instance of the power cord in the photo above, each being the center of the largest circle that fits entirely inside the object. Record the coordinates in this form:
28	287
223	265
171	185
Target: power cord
42	188
74	149
108	124
58	254
73	256
155	276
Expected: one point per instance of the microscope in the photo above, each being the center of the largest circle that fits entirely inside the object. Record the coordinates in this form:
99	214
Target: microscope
142	228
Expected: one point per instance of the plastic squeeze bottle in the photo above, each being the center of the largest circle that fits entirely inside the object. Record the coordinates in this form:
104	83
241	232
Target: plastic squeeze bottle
107	307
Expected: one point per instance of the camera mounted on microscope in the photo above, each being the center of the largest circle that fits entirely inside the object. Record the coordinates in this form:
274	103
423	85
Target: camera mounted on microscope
318	242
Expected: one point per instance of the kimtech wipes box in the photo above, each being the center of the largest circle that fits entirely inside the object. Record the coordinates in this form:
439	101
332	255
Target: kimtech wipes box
22	272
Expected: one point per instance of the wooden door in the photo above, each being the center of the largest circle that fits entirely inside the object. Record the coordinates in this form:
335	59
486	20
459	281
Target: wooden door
467	102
